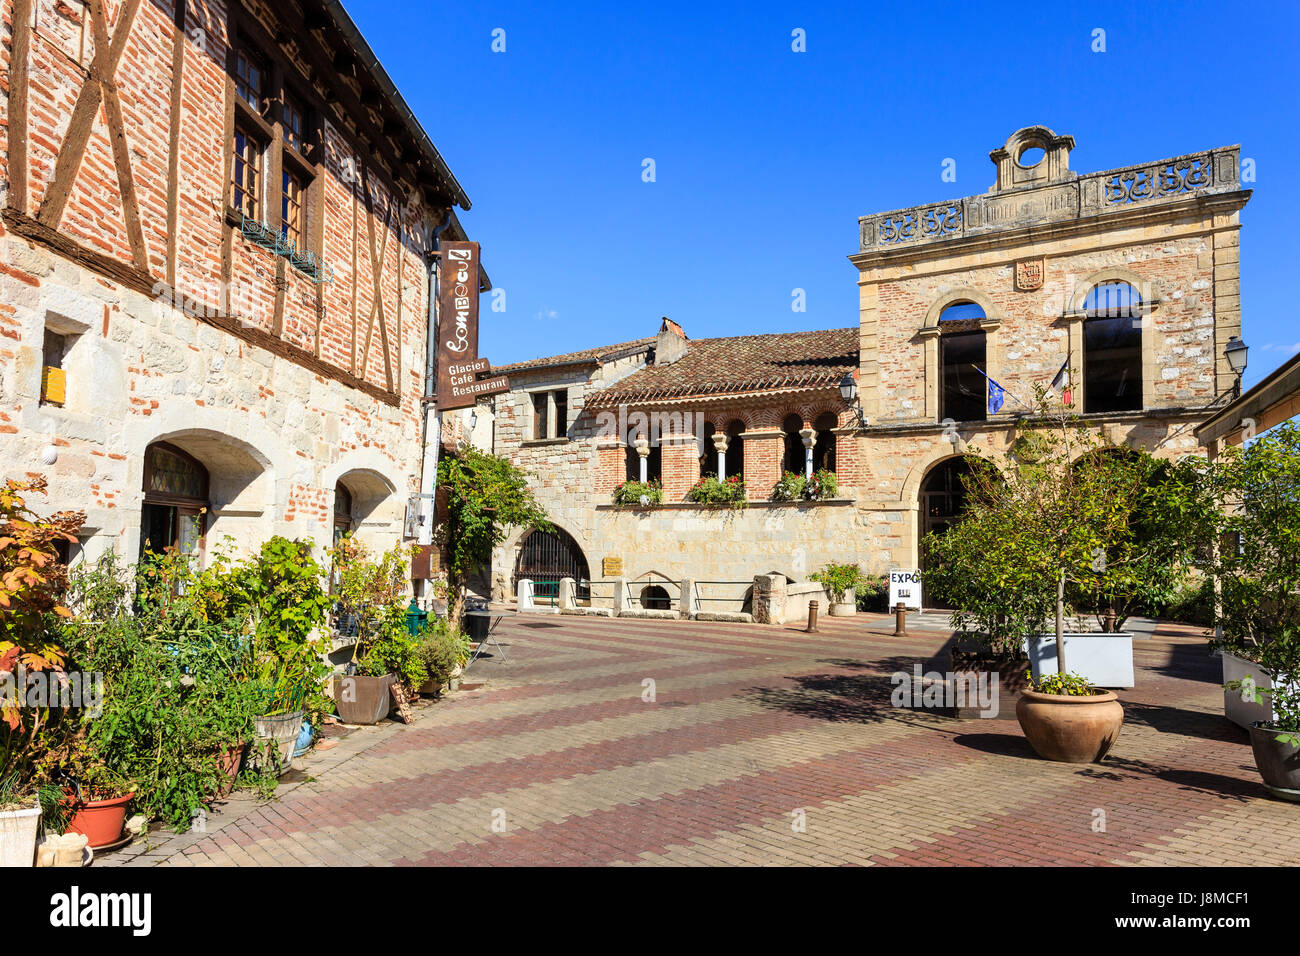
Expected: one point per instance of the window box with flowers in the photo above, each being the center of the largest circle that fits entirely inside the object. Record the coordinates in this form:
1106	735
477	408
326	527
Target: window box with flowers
792	487
710	491
642	493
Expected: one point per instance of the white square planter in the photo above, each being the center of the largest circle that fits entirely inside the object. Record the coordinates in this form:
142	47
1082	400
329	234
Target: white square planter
1104	660
1245	712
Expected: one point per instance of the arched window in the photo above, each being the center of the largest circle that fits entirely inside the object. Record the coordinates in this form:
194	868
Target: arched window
175	501
708	454
654	468
1112	348
655	598
735	448
794	451
963	391
824	444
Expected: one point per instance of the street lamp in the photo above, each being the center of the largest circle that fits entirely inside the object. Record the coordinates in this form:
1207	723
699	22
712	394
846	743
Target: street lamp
849	392
1236	351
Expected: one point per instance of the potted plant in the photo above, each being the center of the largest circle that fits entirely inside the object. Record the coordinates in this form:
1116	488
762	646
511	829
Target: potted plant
1029	534
1065	718
33	583
20	819
373	594
443	651
1251	548
841	582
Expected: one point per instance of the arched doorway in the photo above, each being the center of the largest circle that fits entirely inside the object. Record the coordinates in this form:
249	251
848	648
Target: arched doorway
547	556
173	515
942	498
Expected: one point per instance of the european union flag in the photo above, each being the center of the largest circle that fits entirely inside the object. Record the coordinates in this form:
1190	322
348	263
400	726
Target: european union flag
997	394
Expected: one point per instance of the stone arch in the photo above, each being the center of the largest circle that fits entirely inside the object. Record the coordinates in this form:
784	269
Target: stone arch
375	502
964	294
244	502
1147	288
911	487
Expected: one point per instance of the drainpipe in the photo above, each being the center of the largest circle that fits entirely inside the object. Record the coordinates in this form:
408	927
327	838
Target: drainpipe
430	444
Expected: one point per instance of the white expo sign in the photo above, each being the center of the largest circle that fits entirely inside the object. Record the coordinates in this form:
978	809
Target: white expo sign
905	589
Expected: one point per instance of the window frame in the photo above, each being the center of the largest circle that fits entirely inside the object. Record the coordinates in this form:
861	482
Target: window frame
294	156
254	197
1133	347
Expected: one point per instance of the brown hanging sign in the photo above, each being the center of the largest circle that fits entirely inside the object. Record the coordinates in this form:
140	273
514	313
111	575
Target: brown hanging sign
459	366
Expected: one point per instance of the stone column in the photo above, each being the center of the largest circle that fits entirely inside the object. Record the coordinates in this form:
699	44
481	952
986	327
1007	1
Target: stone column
809	437
720	442
643	450
620	595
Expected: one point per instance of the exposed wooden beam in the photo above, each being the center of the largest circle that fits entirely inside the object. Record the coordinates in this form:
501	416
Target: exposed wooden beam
174	138
22	36
103	69
117	139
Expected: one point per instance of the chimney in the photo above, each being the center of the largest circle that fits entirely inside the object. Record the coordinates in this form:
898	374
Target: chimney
670	344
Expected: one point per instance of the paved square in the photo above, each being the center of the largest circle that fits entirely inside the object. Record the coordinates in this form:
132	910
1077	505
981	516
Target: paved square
754	745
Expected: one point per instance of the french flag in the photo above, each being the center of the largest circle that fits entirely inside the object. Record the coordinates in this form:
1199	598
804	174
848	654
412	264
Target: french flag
1061	383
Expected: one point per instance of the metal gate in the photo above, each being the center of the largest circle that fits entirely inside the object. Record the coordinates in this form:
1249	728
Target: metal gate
545	557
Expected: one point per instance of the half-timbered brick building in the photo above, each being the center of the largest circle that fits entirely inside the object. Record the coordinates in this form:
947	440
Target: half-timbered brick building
214	270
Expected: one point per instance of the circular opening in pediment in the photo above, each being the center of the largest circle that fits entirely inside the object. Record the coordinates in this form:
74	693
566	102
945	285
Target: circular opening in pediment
1030	156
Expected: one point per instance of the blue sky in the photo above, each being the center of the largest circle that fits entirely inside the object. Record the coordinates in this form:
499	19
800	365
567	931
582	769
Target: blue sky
764	158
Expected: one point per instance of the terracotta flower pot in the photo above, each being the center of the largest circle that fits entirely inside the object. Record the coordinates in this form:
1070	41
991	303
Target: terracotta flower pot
228	762
1278	762
100	821
1070	729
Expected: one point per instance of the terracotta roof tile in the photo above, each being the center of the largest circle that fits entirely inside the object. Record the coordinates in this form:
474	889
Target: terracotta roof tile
585	356
742	363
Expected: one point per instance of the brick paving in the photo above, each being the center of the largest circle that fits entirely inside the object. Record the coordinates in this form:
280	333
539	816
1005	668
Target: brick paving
761	746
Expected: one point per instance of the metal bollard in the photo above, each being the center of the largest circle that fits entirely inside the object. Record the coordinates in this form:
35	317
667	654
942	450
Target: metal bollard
812	618
900	620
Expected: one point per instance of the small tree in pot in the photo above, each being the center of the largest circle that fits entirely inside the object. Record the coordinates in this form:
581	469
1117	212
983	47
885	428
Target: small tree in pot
1028	535
1252	549
486	495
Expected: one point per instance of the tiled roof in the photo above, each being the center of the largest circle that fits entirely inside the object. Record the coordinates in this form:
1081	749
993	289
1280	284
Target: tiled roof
594	356
742	363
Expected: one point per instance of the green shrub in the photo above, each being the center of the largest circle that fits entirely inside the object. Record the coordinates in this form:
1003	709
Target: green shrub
838	578
710	491
797	487
631	492
442	649
873	593
1062	685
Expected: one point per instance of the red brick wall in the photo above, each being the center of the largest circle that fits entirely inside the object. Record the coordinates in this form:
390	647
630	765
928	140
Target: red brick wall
681	468
94	215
